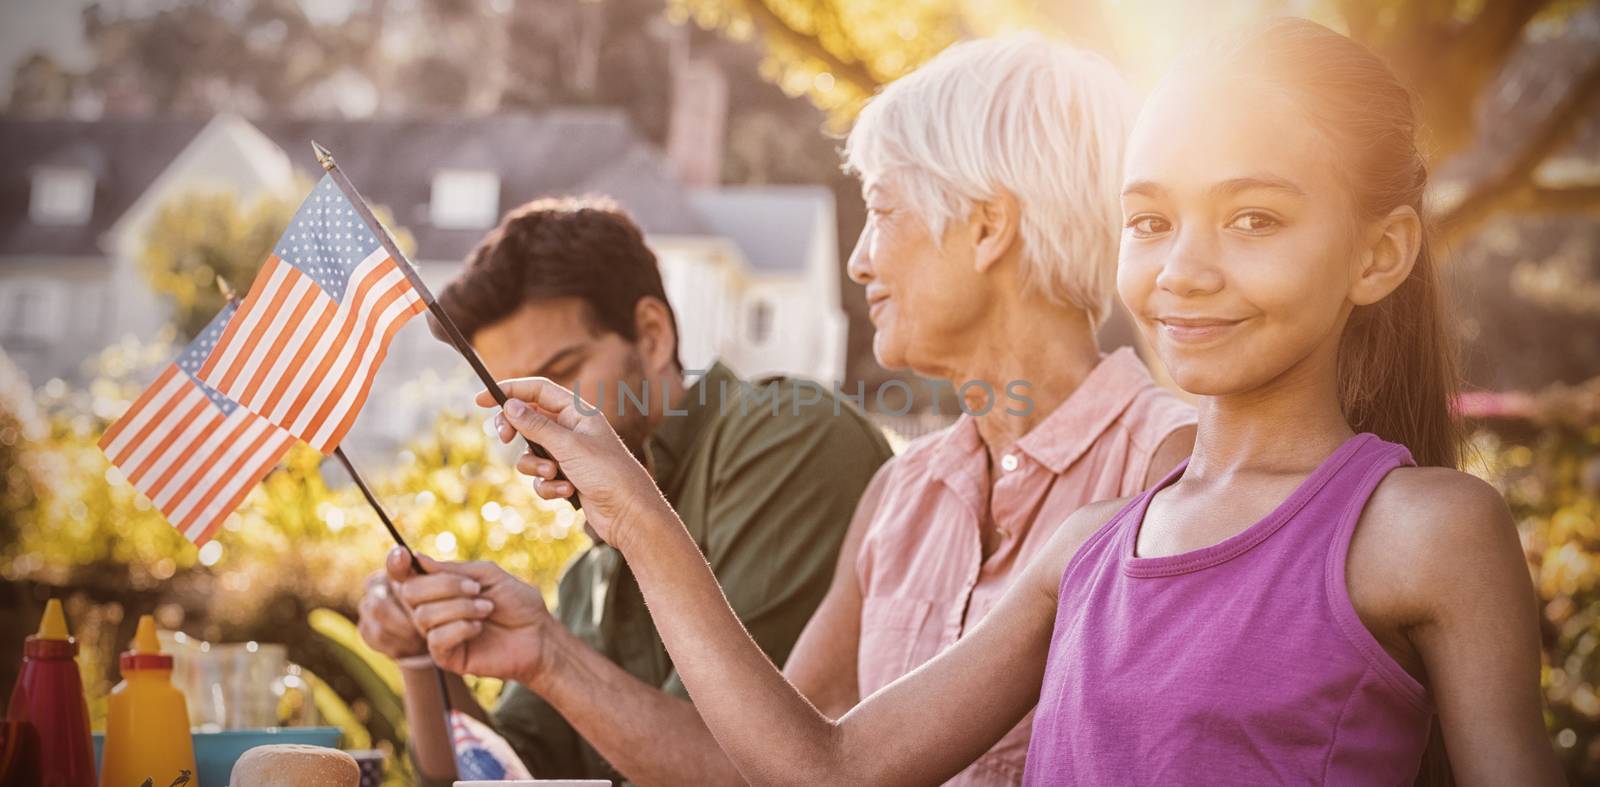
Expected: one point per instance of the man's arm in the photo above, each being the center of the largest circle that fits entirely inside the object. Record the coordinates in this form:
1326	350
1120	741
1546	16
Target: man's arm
386	626
646	733
429	744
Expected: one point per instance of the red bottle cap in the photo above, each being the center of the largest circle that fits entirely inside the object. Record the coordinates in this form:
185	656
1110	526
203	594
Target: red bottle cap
53	640
36	647
146	652
134	661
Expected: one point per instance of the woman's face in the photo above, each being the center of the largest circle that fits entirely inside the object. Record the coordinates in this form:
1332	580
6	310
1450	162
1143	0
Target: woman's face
1238	250
924	296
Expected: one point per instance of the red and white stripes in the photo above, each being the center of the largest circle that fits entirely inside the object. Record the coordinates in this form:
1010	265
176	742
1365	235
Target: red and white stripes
305	360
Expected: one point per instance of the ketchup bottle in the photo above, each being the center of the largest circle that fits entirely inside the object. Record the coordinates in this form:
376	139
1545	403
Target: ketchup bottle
49	697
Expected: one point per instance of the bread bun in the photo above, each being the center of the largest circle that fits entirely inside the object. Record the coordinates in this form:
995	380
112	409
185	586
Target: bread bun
294	765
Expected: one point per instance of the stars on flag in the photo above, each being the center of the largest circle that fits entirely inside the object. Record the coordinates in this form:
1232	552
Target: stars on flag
194	355
318	320
327	239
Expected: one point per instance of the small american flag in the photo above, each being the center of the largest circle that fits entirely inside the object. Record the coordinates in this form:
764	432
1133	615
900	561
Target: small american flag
316	324
192	451
481	755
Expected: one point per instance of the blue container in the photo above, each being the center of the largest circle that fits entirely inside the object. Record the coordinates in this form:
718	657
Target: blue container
216	752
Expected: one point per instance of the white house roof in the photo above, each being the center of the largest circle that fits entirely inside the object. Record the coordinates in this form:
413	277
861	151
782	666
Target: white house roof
554	152
776	229
774	226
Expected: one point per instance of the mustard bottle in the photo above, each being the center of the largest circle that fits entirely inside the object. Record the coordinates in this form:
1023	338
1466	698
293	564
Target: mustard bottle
147	723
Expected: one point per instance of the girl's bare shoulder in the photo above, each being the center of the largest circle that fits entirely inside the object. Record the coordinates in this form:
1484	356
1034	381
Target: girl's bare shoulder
1051	562
1429	504
1426	530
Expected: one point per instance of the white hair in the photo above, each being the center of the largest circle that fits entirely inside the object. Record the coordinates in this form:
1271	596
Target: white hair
1021	115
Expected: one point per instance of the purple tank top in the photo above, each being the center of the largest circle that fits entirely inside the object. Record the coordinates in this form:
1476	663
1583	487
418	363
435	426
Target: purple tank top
1240	663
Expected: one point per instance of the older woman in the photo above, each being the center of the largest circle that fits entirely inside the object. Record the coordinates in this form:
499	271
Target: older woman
990	176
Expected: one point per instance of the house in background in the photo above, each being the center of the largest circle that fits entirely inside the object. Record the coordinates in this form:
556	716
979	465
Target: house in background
782	281
752	273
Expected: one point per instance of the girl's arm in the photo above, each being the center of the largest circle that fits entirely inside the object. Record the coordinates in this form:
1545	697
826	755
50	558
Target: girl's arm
1439	554
923	728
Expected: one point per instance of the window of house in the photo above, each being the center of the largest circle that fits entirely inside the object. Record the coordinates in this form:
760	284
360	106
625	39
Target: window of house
61	196
31	315
464	199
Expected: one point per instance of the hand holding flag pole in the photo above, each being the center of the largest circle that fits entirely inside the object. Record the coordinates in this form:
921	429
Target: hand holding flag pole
416	565
453	333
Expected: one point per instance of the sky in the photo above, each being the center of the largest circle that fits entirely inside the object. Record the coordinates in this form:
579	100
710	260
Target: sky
55	27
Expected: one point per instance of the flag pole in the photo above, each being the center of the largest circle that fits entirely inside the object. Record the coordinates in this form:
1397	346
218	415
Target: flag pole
453	333
416	565
394	533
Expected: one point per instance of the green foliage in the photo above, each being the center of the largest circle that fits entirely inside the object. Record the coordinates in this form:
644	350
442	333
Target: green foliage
199	236
1548	468
336	712
838	52
1451	53
297	542
202	235
18	425
377	675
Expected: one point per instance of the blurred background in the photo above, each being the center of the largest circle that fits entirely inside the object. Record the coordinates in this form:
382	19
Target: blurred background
148	146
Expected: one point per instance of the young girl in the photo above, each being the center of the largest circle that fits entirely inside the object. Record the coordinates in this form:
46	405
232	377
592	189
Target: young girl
1297	604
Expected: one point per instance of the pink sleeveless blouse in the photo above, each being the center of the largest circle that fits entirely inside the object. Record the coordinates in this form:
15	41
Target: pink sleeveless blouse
1240	663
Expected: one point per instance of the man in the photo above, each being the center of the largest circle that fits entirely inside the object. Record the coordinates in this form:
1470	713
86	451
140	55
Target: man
765	476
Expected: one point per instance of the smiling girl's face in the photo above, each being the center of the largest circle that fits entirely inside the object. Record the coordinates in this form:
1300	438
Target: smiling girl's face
1239	242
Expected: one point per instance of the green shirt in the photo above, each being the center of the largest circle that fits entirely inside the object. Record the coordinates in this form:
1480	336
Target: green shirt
765	477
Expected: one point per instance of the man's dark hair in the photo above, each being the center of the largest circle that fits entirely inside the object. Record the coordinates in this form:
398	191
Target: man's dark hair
584	248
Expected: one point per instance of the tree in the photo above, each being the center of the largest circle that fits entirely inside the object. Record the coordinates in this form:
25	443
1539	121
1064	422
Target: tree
200	236
1451	52
465	56
20	425
194	57
1543	453
40	86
